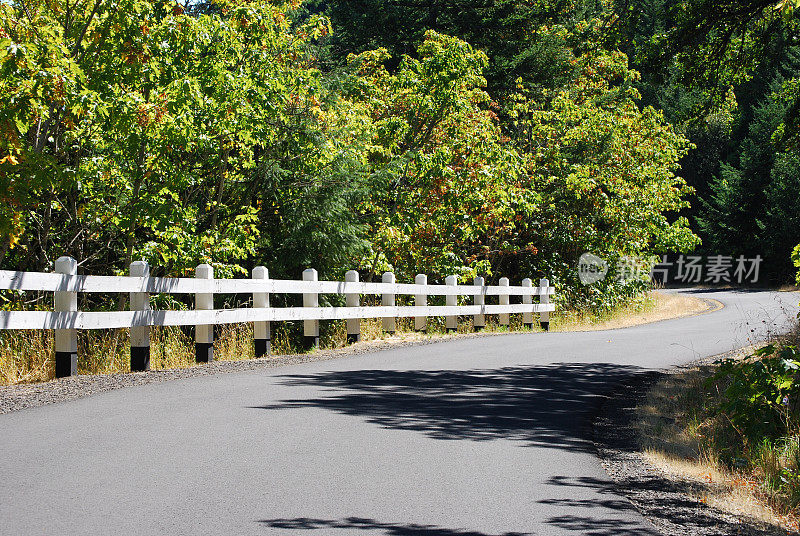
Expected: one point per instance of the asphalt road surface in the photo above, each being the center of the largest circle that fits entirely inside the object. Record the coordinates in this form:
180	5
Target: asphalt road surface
472	437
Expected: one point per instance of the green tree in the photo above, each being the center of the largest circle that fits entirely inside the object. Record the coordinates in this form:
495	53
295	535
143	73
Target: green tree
712	67
729	220
447	195
139	130
604	167
753	207
508	31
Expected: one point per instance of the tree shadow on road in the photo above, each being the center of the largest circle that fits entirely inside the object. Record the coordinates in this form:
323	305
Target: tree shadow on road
549	406
546	406
389	529
584	525
583	522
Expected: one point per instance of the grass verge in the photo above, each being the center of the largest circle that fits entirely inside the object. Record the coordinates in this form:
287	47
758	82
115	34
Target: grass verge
651	307
731	429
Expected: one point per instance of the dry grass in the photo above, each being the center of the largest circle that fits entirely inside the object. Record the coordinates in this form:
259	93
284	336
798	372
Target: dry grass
720	489
678	437
652	307
26	356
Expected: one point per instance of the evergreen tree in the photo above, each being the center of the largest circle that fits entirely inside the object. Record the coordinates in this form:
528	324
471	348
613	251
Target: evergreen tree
753	201
780	225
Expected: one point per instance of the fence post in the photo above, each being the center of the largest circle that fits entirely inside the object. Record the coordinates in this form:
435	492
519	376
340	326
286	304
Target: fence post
505	318
353	324
451	299
310	299
261	330
66	339
527	299
140	335
204	333
544	317
479	320
387	300
421	300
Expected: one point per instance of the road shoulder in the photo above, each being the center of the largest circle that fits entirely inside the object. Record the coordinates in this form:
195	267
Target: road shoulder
666	501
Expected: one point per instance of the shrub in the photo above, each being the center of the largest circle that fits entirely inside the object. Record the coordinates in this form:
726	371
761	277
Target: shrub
761	395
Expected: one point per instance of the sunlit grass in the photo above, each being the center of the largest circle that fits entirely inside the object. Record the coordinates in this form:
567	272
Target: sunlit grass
650	307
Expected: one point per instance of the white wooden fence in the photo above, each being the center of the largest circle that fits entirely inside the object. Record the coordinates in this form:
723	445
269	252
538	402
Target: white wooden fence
66	318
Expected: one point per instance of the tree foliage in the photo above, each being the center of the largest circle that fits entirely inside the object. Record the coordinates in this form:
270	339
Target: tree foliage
796	261
604	166
457	137
447	192
761	392
134	129
753	207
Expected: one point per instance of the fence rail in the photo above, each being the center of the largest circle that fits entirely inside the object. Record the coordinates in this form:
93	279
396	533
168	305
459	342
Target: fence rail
66	318
53	282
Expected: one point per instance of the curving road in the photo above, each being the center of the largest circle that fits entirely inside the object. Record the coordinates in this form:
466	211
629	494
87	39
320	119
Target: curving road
472	437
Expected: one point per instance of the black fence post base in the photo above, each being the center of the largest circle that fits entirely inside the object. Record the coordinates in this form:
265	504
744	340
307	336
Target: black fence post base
66	364
310	342
140	358
262	347
203	352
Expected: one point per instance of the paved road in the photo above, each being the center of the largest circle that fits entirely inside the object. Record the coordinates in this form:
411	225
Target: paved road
474	437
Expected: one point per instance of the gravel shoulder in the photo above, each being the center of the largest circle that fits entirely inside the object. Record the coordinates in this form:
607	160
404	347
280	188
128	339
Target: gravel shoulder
669	503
